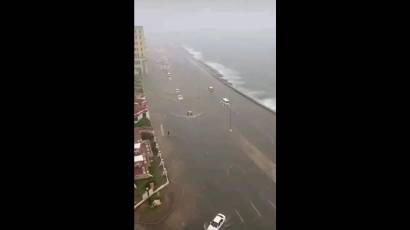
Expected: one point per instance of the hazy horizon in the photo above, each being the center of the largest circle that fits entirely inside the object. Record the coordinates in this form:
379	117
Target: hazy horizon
160	16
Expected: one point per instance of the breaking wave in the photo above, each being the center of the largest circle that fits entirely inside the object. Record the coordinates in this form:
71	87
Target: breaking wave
234	78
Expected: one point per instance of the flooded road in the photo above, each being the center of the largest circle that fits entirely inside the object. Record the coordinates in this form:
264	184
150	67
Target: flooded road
217	170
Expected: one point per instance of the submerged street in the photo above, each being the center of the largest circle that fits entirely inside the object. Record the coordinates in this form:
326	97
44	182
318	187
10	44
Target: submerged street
215	170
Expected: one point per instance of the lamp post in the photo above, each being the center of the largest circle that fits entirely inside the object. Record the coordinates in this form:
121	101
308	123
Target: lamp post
199	87
230	126
230	116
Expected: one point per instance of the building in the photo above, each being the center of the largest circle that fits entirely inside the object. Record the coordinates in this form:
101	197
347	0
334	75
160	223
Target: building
140	61
142	160
138	133
140	108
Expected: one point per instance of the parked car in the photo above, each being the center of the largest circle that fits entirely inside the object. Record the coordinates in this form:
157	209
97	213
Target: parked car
189	113
217	222
180	97
211	89
178	91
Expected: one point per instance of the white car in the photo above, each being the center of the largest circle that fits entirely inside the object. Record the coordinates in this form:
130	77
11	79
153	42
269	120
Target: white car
211	89
180	97
225	101
177	90
217	222
169	74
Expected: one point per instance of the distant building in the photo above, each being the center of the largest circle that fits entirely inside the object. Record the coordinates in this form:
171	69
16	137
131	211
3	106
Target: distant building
140	61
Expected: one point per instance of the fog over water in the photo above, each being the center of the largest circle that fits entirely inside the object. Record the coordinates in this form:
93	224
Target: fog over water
235	37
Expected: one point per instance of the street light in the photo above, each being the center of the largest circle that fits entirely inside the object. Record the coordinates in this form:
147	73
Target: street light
229	104
199	87
230	127
226	102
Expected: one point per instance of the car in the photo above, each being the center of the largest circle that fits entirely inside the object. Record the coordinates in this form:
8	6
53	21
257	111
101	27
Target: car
217	222
169	74
180	97
189	113
211	89
225	101
177	90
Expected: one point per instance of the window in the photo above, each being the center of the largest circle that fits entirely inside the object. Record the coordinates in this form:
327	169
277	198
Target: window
138	62
138	55
214	224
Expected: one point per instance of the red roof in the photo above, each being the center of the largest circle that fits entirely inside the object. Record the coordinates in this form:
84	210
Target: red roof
138	171
144	149
140	108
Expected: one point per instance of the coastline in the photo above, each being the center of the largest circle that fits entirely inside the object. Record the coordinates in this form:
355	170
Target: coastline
220	78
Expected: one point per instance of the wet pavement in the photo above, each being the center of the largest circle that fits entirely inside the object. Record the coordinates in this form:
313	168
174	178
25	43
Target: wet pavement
233	173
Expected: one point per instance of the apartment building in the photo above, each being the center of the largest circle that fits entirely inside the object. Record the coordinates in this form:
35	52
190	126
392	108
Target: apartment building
140	61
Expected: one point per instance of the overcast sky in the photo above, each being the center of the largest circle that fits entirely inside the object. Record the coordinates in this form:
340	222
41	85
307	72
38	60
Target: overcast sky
183	15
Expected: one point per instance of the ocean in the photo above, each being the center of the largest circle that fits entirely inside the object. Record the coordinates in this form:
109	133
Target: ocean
246	59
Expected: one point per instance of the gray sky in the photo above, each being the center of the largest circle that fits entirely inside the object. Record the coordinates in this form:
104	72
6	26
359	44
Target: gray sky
183	15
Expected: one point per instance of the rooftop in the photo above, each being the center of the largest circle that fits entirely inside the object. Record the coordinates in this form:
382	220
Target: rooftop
137	145
138	158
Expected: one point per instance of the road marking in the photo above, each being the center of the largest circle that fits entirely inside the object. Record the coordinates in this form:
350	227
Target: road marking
257	211
162	130
260	159
272	204
240	217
